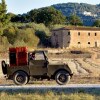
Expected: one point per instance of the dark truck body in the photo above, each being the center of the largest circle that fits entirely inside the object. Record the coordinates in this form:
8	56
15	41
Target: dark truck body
22	66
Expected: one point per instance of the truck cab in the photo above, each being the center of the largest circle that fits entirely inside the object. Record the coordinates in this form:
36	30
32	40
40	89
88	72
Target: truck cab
24	65
38	64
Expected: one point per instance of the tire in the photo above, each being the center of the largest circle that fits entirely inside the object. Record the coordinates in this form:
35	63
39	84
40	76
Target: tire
62	77
20	78
4	67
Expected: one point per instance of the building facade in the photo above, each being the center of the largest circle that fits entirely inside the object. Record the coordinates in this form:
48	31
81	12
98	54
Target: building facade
75	37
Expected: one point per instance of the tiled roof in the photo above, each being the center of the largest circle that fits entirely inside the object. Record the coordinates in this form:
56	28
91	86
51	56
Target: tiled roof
78	28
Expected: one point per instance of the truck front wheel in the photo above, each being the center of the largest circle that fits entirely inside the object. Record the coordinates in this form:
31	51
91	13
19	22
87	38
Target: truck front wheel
20	78
62	77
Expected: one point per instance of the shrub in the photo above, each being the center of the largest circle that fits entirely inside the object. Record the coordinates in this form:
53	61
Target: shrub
10	33
40	27
27	37
4	44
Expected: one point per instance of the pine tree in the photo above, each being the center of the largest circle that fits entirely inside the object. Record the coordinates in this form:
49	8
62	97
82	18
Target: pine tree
97	23
75	20
4	18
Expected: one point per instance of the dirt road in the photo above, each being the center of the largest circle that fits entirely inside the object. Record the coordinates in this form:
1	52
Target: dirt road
56	88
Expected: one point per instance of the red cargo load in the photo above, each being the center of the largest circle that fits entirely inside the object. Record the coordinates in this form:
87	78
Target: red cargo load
21	49
22	58
18	56
12	49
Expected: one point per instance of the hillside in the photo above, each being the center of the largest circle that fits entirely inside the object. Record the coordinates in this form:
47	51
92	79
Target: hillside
87	12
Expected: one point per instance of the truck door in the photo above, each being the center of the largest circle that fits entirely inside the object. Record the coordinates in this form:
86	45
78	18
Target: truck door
38	65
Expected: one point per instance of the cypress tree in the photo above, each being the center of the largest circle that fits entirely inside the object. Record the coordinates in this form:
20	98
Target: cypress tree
3	11
4	18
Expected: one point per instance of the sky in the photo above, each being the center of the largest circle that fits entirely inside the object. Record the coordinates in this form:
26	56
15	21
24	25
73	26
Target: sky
23	6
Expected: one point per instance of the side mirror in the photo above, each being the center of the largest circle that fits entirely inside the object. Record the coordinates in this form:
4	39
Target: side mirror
47	62
4	67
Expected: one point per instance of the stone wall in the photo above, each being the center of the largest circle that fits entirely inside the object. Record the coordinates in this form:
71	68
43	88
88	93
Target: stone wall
60	39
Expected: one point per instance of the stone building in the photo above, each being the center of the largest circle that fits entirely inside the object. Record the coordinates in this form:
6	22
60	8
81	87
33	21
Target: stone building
81	37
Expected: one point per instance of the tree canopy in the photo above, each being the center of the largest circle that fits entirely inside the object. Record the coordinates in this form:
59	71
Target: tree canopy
75	20
97	23
46	15
3	16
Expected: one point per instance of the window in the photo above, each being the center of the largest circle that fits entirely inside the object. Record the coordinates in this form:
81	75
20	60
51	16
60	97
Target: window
39	56
95	34
78	33
12	58
88	42
79	43
31	55
88	34
68	42
68	33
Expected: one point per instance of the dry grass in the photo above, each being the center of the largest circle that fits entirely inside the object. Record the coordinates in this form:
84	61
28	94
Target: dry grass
92	68
48	96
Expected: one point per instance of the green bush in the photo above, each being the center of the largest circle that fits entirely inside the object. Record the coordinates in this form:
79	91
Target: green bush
10	33
4	44
56	26
40	27
26	37
19	43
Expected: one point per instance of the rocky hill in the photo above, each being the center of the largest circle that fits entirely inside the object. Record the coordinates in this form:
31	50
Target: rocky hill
87	12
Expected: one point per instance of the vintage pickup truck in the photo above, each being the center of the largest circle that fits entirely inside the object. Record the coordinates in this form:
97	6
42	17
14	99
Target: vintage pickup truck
24	65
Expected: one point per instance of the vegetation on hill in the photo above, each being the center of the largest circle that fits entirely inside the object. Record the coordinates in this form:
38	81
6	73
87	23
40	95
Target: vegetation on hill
47	16
97	23
56	14
75	8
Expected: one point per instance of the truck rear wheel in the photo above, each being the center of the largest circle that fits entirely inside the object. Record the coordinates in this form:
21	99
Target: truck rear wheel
62	77
20	78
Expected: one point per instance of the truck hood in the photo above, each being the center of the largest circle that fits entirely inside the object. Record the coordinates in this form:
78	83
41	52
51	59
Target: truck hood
63	62
57	62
